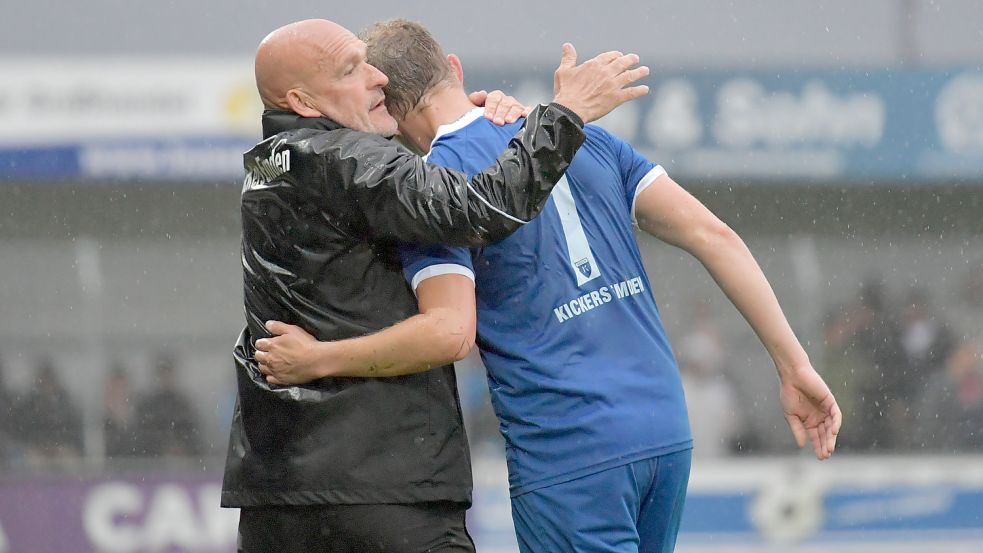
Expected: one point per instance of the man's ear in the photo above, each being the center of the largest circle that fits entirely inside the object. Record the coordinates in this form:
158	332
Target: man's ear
300	104
455	63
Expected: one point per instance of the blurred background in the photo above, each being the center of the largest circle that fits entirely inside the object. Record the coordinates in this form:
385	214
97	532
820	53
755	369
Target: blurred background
843	140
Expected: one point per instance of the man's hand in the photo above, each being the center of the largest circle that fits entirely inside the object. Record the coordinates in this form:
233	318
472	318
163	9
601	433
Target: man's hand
499	107
290	356
599	85
811	410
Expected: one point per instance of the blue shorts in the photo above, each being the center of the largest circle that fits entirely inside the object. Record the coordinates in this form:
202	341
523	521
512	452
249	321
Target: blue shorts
634	508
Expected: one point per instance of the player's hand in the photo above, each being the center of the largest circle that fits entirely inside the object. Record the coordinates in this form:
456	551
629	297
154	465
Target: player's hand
289	357
811	410
597	86
499	107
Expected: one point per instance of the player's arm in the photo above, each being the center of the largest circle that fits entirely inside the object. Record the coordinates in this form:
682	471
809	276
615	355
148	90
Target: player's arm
671	214
395	195
442	333
400	197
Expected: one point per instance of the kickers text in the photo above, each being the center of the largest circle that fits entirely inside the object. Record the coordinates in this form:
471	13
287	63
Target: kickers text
596	298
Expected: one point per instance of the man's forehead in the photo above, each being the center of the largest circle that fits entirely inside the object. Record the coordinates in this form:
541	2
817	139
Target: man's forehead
343	44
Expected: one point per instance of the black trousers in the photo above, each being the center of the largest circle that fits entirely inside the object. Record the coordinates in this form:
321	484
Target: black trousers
436	527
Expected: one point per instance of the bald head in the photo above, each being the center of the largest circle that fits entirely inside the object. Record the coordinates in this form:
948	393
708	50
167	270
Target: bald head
318	68
288	56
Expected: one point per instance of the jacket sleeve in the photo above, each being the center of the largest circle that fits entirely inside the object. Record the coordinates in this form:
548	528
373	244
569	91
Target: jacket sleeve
401	197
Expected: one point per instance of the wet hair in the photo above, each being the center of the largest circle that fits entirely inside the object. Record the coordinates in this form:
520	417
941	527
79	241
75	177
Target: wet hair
408	54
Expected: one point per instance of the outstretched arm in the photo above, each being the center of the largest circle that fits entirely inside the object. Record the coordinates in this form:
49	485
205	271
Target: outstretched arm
671	214
399	197
442	333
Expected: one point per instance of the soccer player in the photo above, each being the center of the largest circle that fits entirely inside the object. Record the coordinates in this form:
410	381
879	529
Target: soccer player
582	376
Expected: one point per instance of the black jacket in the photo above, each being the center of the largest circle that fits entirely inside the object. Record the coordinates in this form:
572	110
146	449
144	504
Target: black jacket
322	209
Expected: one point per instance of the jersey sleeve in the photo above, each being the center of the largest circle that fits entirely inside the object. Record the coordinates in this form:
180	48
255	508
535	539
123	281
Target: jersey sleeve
423	262
637	172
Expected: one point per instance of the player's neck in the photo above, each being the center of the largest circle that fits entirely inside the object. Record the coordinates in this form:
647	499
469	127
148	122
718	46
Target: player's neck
443	107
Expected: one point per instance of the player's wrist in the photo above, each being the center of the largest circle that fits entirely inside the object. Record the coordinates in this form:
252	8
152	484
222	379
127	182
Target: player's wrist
569	110
791	369
325	363
789	356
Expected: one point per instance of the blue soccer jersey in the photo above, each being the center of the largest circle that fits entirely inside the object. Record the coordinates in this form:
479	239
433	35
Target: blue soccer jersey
581	373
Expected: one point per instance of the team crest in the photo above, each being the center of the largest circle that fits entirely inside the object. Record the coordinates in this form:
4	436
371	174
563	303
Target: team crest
584	267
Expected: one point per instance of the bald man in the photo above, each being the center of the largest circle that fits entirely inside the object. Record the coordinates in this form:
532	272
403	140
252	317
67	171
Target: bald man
381	464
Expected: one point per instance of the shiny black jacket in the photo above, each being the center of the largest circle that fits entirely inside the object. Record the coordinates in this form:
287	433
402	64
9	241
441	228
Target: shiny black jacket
322	209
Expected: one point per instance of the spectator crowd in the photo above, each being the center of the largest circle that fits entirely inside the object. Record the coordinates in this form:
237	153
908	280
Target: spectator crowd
44	424
909	372
906	368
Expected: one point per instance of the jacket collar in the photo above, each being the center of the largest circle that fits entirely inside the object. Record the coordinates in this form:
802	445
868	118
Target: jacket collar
276	121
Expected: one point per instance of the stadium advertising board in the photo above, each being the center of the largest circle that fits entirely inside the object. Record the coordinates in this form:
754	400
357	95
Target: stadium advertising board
797	505
761	505
126	118
851	124
124	515
181	119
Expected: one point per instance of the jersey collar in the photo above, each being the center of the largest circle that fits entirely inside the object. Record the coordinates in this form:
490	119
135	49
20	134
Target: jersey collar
462	122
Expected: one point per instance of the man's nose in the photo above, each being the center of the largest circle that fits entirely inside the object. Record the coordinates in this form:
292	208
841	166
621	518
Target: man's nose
378	77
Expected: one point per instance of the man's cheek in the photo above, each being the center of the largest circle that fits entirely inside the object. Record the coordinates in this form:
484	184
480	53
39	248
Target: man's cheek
385	124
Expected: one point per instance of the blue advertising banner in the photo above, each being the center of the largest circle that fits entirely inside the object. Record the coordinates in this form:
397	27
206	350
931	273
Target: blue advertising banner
815	125
196	158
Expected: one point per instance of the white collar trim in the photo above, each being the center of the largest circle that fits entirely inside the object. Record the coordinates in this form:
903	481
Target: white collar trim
465	120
